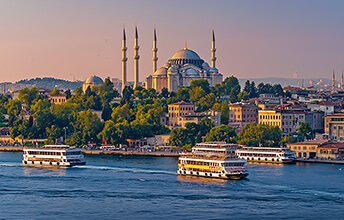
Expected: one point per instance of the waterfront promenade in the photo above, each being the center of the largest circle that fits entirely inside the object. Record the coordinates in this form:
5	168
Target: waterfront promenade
163	154
111	152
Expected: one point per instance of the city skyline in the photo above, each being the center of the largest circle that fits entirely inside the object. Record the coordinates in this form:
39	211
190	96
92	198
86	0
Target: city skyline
254	39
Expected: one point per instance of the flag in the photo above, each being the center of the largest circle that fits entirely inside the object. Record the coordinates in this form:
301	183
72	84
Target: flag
104	141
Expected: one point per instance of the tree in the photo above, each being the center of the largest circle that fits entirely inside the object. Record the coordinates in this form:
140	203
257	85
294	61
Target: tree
305	130
106	112
205	125
55	91
253	90
262	134
164	93
203	83
3	103
126	95
53	133
206	102
183	94
223	107
288	139
68	94
28	96
112	133
224	133
229	84
43	118
243	96
247	87
86	128
179	137
138	92
107	92
14	107
196	94
233	96
277	90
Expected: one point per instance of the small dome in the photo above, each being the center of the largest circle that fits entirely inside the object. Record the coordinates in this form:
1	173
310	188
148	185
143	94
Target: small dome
172	69
162	71
191	72
94	79
167	65
205	65
213	70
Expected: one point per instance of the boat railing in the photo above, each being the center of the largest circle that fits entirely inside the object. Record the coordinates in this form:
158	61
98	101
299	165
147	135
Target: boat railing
208	157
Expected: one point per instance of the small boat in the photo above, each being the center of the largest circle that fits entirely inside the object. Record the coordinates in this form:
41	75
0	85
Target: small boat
212	159
266	154
53	155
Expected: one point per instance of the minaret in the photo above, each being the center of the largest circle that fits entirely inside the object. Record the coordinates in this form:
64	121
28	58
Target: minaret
124	60
213	50
342	82
136	58
155	51
302	83
4	88
333	81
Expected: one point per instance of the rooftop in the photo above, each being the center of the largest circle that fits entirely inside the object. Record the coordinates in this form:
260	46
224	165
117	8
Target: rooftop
181	103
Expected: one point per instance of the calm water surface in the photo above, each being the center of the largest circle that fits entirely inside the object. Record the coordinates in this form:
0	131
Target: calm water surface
138	187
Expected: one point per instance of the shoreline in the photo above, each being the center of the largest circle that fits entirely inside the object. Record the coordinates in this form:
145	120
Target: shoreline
103	152
160	154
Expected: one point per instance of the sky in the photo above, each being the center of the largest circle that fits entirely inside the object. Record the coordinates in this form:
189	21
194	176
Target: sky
74	39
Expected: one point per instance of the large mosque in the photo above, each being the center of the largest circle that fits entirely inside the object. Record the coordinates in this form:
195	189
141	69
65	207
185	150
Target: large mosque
185	66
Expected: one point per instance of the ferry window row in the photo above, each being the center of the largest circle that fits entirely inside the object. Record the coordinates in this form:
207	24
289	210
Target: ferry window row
43	153
74	153
201	163
233	164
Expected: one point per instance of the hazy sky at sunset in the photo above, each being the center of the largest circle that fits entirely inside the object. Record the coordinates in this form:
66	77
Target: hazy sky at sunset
254	39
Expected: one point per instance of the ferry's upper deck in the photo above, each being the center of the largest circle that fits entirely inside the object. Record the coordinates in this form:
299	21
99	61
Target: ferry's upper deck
215	147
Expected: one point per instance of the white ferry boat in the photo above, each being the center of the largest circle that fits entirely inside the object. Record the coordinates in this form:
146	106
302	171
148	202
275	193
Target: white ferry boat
212	159
266	154
53	155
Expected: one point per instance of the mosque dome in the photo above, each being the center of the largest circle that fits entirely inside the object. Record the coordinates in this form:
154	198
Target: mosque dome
162	71
213	70
191	72
167	65
205	65
172	69
94	79
186	56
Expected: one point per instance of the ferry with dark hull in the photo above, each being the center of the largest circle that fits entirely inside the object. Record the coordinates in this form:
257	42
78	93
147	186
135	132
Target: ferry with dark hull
212	159
53	155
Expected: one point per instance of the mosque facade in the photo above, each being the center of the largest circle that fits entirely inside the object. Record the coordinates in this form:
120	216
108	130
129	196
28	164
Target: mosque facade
184	66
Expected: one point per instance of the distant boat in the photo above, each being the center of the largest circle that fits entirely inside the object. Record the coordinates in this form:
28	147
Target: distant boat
266	154
53	155
212	159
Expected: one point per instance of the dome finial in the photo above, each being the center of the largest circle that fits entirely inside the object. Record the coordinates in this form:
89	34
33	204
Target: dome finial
186	46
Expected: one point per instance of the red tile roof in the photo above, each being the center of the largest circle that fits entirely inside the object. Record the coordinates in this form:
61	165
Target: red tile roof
181	103
333	146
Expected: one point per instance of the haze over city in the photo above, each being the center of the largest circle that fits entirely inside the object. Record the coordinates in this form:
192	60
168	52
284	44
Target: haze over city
254	39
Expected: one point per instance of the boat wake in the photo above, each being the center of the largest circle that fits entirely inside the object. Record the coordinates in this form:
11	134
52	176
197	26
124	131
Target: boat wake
293	190
119	169
9	164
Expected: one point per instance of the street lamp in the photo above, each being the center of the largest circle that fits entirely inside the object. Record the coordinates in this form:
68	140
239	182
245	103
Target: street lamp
65	128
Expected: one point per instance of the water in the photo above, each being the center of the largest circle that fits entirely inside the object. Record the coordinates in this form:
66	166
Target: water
138	187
